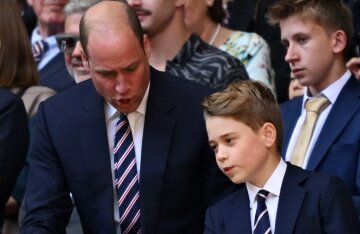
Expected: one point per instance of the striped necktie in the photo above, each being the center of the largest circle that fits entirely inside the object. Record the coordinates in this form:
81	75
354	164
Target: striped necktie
262	222
126	178
38	49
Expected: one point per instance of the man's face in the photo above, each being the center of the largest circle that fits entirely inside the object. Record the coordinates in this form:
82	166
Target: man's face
154	15
73	59
49	12
310	52
119	67
241	154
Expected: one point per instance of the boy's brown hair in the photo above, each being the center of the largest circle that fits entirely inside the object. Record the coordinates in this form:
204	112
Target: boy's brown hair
331	14
249	102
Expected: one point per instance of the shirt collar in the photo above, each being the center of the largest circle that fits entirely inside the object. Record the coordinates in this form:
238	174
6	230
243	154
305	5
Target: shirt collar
332	91
273	184
111	112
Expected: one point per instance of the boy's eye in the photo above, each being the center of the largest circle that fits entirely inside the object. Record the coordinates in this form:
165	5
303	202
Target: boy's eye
213	147
229	141
302	40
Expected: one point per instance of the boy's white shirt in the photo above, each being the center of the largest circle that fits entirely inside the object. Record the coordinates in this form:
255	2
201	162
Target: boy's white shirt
273	185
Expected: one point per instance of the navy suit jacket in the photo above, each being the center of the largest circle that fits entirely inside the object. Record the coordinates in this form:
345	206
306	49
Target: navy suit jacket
55	74
178	177
309	202
14	140
337	150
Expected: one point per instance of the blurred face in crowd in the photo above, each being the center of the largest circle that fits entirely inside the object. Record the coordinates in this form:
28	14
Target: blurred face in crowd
310	52
118	66
195	11
154	15
295	88
49	12
241	153
72	54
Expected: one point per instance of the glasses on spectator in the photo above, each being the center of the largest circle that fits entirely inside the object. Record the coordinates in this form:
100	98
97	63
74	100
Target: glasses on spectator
66	42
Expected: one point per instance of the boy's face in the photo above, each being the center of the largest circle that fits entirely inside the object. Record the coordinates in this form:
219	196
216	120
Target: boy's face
241	154
310	52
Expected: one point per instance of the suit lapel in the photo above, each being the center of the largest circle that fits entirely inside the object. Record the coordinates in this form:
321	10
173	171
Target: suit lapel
158	130
346	105
290	201
96	157
236	214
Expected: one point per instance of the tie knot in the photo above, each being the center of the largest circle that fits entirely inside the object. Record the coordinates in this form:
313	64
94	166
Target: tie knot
262	195
317	104
39	48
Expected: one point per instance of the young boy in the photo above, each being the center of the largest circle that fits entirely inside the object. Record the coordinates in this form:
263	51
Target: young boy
245	130
317	35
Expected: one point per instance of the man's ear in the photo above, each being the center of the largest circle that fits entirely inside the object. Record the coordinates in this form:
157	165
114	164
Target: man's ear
339	41
147	46
268	132
84	59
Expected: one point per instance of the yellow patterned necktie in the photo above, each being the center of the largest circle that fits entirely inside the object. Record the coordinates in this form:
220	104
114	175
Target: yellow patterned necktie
313	108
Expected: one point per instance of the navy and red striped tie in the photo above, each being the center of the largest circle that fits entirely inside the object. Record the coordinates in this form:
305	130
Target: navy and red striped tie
126	178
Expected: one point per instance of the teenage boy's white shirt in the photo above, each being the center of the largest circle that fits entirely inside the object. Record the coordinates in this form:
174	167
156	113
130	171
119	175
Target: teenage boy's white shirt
332	92
136	122
273	185
50	53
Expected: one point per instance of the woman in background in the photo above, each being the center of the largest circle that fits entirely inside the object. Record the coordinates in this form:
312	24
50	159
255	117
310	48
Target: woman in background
18	73
205	18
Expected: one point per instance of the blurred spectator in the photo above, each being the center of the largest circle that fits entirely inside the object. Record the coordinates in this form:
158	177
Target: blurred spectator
14	139
50	61
295	87
250	16
18	74
354	65
205	18
176	51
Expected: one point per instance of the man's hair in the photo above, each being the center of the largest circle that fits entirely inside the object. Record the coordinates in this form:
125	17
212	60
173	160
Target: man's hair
17	65
78	6
331	14
131	20
249	102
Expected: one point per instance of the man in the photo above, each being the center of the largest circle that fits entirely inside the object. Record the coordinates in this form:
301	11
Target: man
182	54
68	42
321	128
50	61
14	140
167	144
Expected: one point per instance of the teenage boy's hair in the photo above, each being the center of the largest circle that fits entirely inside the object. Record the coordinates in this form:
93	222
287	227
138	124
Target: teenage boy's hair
249	102
331	14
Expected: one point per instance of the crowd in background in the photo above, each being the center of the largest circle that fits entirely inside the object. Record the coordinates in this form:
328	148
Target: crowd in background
190	49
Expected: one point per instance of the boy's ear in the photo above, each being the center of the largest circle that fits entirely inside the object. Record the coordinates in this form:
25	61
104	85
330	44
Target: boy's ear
269	134
339	41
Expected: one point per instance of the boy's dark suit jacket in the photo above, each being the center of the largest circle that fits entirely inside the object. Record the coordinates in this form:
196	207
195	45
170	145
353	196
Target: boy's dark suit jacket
309	203
14	139
337	150
178	175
